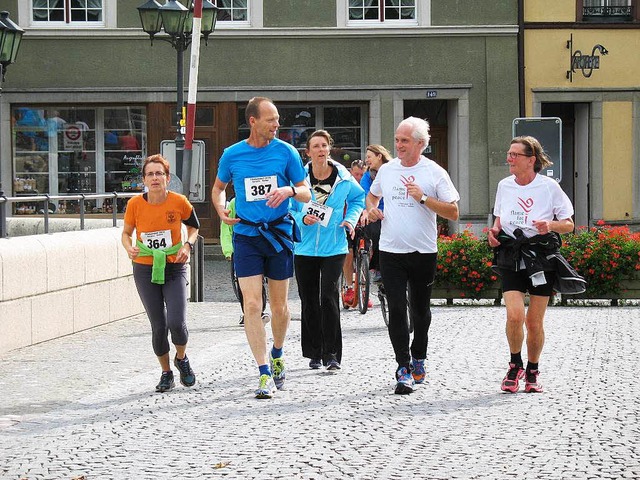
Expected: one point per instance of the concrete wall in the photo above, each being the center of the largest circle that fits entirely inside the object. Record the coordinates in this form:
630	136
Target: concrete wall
58	284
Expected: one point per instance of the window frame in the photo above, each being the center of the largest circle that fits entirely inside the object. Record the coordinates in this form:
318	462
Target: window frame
635	14
254	17
109	18
423	17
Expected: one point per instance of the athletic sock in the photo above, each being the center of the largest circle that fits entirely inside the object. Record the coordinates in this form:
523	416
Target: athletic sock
265	370
516	359
531	366
276	352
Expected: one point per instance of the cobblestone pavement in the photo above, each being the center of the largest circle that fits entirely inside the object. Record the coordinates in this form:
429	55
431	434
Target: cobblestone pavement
84	405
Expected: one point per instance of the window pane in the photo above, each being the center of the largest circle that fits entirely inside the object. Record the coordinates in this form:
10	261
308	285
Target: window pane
125	142
94	15
371	13
391	13
341	116
408	13
239	15
78	15
31	163
204	116
56	15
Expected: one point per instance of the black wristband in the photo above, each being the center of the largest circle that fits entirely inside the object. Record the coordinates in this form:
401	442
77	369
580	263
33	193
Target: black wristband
293	189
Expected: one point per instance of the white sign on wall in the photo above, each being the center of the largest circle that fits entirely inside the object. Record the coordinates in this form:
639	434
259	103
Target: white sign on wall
73	137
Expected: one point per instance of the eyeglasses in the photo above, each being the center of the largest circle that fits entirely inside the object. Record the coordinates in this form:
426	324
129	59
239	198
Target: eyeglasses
514	155
156	174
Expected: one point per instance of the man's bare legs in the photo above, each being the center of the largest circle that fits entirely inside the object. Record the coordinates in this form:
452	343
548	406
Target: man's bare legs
280	315
254	328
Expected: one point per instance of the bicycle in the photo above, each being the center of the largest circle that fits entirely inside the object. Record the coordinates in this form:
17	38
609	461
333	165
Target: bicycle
382	296
362	276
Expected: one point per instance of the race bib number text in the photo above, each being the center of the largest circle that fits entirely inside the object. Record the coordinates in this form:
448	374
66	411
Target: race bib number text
157	240
319	210
256	188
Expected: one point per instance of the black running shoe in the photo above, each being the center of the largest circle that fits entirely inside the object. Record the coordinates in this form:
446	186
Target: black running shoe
315	363
333	364
166	382
187	377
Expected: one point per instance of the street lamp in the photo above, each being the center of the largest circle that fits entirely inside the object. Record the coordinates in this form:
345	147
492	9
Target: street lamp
177	21
10	38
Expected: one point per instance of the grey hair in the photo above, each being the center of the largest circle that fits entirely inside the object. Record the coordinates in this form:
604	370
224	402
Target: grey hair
419	128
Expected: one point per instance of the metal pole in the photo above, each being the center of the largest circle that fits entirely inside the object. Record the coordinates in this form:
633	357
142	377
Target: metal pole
197	271
180	48
3	205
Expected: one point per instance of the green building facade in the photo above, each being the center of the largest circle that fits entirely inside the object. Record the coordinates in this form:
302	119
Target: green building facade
90	97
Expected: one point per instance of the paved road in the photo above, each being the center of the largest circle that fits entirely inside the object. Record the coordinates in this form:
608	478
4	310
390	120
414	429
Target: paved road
84	405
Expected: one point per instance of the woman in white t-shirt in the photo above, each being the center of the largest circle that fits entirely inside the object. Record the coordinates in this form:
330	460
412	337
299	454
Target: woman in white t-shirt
528	208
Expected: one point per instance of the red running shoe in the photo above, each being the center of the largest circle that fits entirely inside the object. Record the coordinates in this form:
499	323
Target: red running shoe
511	381
532	385
349	297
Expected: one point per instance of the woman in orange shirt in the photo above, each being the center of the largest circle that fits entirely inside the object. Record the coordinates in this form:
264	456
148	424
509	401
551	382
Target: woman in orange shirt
159	269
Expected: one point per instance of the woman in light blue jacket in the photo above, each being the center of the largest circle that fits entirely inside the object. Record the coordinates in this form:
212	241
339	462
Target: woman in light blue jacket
335	207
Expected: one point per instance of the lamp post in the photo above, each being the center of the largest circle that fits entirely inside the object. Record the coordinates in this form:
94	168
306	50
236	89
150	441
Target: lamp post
177	22
10	38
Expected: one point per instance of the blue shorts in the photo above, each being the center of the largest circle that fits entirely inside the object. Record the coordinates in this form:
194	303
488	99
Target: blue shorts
255	256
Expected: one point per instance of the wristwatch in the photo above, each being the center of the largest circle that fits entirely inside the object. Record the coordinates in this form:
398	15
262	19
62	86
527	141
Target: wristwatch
191	246
423	199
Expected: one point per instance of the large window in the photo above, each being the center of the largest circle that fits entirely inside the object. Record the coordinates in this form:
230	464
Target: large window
58	150
383	11
60	12
345	122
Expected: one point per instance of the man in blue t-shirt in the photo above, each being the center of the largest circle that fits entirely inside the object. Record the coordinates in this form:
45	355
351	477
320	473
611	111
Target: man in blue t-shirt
266	172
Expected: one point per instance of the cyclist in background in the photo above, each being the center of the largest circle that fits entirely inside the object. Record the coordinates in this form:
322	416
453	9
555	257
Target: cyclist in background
358	169
376	156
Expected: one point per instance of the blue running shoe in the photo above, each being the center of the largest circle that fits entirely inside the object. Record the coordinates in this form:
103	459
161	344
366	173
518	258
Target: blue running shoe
266	387
187	377
405	382
418	371
278	370
166	382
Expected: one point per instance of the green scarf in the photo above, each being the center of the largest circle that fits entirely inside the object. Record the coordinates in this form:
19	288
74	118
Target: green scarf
159	259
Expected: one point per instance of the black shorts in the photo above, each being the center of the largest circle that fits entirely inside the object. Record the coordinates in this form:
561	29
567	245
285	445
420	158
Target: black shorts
521	282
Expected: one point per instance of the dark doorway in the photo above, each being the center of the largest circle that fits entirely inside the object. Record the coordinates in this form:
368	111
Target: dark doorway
435	112
575	151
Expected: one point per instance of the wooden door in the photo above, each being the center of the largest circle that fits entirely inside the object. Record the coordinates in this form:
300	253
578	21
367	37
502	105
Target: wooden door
217	127
438	147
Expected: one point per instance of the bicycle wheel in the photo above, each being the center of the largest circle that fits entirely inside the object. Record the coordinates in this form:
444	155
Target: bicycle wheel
383	304
234	281
343	288
409	316
363	280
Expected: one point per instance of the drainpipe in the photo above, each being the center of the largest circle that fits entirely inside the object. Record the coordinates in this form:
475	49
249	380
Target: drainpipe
521	57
